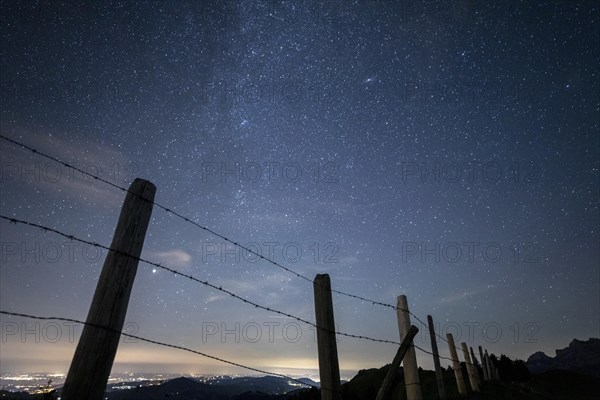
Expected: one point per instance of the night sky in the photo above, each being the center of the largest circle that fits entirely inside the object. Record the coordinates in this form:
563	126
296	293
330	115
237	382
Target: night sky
443	150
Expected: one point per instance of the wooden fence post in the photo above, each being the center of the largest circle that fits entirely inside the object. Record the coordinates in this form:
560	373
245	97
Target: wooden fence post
329	370
462	389
411	372
97	346
483	365
436	360
388	381
488	363
470	369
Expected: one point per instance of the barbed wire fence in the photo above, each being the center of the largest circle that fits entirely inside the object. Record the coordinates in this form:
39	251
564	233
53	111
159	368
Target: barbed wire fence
174	271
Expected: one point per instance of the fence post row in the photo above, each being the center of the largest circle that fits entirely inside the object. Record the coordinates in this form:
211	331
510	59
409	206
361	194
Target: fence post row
329	370
94	356
95	353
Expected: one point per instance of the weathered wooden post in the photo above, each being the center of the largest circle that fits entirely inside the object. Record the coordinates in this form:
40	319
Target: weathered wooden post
470	369
329	370
436	360
475	367
97	346
483	365
411	371
488	363
462	389
388	382
488	366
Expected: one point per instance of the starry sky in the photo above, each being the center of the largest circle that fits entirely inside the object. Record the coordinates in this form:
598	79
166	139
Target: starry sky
443	150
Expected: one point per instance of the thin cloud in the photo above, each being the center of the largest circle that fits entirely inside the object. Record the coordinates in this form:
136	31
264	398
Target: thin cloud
455	297
175	257
215	297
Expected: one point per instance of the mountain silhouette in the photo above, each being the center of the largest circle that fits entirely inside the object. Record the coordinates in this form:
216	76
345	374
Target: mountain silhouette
580	356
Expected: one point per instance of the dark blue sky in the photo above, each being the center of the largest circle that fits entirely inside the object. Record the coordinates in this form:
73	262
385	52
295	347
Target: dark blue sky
443	150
